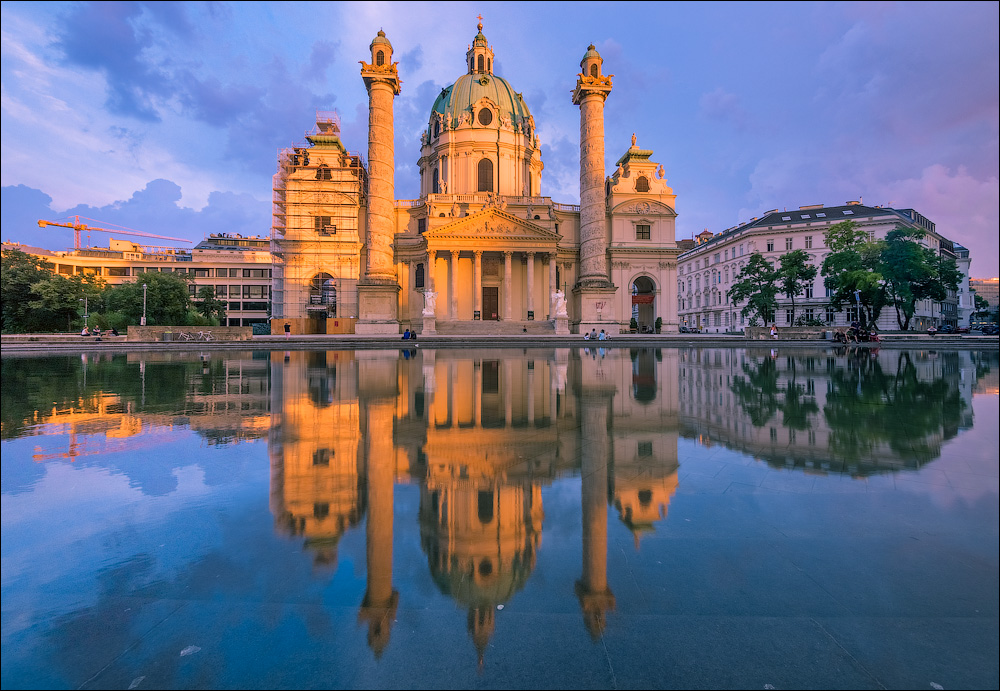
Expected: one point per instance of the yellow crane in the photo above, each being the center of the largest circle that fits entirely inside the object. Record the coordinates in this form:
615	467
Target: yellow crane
77	227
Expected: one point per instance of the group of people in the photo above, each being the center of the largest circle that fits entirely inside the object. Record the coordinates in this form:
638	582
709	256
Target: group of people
594	336
97	332
409	335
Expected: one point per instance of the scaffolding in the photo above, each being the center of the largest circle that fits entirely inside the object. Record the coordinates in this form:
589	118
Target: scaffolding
319	191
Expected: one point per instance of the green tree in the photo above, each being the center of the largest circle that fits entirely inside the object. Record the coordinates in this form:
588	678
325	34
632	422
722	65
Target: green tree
19	271
982	306
794	274
210	306
756	286
167	299
58	301
913	272
852	271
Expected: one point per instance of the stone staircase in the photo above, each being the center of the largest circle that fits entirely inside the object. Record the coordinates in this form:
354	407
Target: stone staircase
496	328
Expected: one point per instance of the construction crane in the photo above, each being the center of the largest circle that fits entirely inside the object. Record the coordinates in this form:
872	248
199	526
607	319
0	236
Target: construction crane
77	227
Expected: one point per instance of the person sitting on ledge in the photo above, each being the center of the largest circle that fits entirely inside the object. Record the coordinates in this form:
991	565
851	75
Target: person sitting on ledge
406	335
85	332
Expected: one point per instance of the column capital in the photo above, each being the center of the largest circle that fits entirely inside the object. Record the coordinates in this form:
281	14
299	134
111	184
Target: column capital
477	253
507	254
455	253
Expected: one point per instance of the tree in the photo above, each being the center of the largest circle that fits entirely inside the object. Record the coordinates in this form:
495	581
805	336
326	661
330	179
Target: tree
982	306
19	271
210	306
58	301
913	272
793	276
852	271
167	299
756	286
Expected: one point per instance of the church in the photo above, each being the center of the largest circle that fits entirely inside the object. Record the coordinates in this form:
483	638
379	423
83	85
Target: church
482	250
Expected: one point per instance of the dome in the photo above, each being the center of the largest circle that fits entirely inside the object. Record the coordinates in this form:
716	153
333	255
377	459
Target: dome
380	39
469	89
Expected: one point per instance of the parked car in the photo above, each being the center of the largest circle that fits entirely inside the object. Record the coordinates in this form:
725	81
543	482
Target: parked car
991	330
946	329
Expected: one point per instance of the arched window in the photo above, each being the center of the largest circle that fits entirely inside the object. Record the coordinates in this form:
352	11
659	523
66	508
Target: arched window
485	175
437	128
479	63
489	65
593	71
380	58
418	276
642	184
323	172
323	291
436	185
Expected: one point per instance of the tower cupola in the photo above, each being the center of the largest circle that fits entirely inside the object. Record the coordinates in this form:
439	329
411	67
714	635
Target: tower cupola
479	57
381	50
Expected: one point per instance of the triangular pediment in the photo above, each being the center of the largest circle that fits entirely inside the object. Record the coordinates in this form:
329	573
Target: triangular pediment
493	225
642	207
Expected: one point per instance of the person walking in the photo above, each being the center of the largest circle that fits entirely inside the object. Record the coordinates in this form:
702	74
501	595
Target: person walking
288	330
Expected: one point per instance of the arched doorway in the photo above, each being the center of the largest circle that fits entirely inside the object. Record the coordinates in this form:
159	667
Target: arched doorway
644	304
322	302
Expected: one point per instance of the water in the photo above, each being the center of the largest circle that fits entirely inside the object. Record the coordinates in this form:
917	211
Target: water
511	518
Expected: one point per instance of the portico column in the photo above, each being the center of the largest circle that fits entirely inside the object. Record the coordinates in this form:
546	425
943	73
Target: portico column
507	299
453	286
531	282
553	286
477	282
431	259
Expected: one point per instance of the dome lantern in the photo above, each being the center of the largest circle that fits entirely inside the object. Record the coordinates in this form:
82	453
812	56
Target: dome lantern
479	57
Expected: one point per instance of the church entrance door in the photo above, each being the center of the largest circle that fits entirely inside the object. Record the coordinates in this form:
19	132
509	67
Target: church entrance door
491	303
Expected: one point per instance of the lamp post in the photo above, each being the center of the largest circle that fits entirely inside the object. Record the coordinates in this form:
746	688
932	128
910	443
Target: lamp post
86	312
143	323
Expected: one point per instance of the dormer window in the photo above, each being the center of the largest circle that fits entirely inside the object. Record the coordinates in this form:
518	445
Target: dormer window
379	58
642	184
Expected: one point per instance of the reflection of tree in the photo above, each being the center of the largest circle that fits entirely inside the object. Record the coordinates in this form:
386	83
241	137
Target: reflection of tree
868	407
761	395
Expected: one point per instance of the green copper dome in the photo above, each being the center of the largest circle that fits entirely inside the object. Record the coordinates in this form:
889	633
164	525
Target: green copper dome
460	97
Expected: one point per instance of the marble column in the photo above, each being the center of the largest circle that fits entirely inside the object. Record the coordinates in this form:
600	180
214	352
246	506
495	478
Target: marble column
594	290
508	297
531	281
378	291
453	286
477	281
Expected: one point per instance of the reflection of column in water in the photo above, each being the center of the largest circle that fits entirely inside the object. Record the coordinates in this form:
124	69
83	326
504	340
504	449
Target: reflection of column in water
379	606
531	393
592	589
508	394
477	394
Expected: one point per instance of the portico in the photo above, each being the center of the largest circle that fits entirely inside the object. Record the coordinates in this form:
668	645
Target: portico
491	266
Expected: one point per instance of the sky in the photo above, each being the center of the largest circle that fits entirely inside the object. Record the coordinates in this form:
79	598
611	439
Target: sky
166	117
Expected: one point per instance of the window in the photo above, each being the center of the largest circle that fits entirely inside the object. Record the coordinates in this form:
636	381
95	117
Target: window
786	218
254	292
323	172
741	249
256	273
804	216
593	71
485	117
788	244
820	215
848	212
192	290
436	182
380	58
788	316
770	245
235	306
642	232
418	276
480	63
437	128
221	291
421	225
810	315
234	273
324	225
727	255
255	306
642	184
809	291
486	175
809	242
234	291
644	448
202	273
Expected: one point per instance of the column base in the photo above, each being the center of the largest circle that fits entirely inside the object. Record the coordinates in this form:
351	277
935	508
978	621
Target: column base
377	309
596	305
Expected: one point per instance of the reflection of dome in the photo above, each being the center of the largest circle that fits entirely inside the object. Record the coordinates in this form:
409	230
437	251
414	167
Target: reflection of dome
470	90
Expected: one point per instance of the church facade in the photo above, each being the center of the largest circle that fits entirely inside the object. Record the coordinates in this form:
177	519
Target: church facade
482	250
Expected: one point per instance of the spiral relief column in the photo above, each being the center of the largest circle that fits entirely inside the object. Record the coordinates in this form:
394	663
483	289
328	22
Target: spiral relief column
378	291
594	291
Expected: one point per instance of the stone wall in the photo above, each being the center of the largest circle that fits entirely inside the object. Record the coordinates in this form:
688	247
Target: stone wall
188	334
786	333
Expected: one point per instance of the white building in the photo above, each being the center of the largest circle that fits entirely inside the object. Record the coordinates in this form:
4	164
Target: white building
707	272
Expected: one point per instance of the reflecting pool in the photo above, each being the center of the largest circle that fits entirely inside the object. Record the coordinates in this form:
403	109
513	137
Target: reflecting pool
504	518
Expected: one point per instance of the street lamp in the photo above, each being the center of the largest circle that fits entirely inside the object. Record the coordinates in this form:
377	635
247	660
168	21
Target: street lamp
143	323
86	311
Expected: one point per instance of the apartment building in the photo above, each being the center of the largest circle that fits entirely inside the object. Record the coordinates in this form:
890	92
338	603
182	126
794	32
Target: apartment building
709	270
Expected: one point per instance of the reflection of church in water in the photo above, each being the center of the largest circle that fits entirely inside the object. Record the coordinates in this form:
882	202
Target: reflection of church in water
482	437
